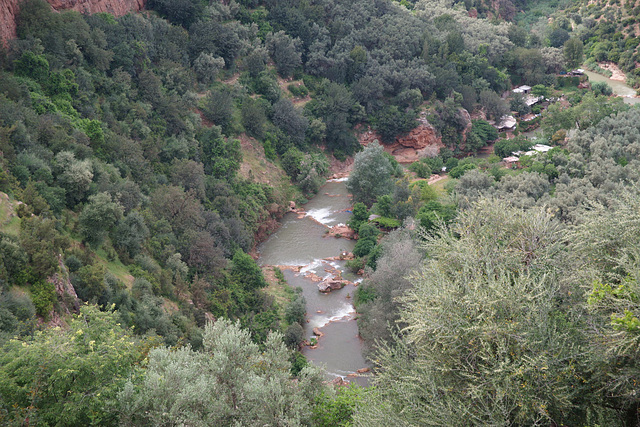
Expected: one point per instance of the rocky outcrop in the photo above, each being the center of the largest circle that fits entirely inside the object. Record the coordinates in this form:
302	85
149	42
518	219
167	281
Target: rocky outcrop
421	137
423	141
466	117
467	120
341	230
331	285
9	10
616	72
114	7
64	288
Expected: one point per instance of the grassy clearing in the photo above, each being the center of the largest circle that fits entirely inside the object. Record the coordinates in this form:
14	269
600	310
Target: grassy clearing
9	222
278	289
13	226
116	267
256	167
439	186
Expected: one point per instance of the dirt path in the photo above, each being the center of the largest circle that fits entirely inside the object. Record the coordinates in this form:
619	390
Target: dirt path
232	80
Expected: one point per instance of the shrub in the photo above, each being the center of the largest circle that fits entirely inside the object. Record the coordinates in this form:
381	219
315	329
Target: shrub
387	223
458	171
43	296
354	265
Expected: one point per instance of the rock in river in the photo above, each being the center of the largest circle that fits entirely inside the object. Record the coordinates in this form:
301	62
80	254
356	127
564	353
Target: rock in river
331	285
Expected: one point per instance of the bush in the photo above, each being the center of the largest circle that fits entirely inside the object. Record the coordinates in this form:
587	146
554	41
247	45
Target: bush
337	410
601	88
364	294
504	147
425	167
364	246
73	263
360	216
294	335
460	170
387	223
339	155
374	255
43	295
421	169
355	265
298	363
19	304
296	309
298	91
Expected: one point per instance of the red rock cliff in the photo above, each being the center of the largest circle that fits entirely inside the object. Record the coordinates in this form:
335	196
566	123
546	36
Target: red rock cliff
422	141
9	10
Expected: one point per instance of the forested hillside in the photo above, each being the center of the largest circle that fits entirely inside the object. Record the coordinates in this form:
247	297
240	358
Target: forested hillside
121	140
143	158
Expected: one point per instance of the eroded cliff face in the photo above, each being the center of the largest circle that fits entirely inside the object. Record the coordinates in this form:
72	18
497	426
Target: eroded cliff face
422	141
9	9
8	12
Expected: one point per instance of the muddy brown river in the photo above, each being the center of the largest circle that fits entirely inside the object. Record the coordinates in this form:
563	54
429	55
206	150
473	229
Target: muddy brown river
301	243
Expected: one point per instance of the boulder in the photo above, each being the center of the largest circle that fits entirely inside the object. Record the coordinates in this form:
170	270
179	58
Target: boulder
330	285
339	382
341	230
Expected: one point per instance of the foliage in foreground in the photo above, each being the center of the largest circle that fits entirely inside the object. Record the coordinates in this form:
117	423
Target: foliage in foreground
515	318
67	376
231	382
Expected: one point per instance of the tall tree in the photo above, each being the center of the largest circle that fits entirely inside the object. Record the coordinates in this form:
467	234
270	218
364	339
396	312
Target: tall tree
371	176
285	52
98	218
573	52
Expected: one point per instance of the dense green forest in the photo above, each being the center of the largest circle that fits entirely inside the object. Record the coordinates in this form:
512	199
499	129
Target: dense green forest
142	158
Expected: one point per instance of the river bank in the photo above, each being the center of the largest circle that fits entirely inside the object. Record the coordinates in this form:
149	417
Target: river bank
619	87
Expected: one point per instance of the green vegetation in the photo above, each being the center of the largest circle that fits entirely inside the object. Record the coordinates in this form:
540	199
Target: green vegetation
70	376
143	157
371	176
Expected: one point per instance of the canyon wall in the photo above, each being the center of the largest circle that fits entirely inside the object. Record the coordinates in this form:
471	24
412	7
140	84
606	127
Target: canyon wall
9	9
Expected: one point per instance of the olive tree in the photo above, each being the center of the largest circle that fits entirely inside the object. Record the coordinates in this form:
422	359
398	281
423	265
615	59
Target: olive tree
486	341
232	382
207	67
285	52
98	218
605	247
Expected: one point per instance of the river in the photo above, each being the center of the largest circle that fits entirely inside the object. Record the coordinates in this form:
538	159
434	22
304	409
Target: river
618	87
300	243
